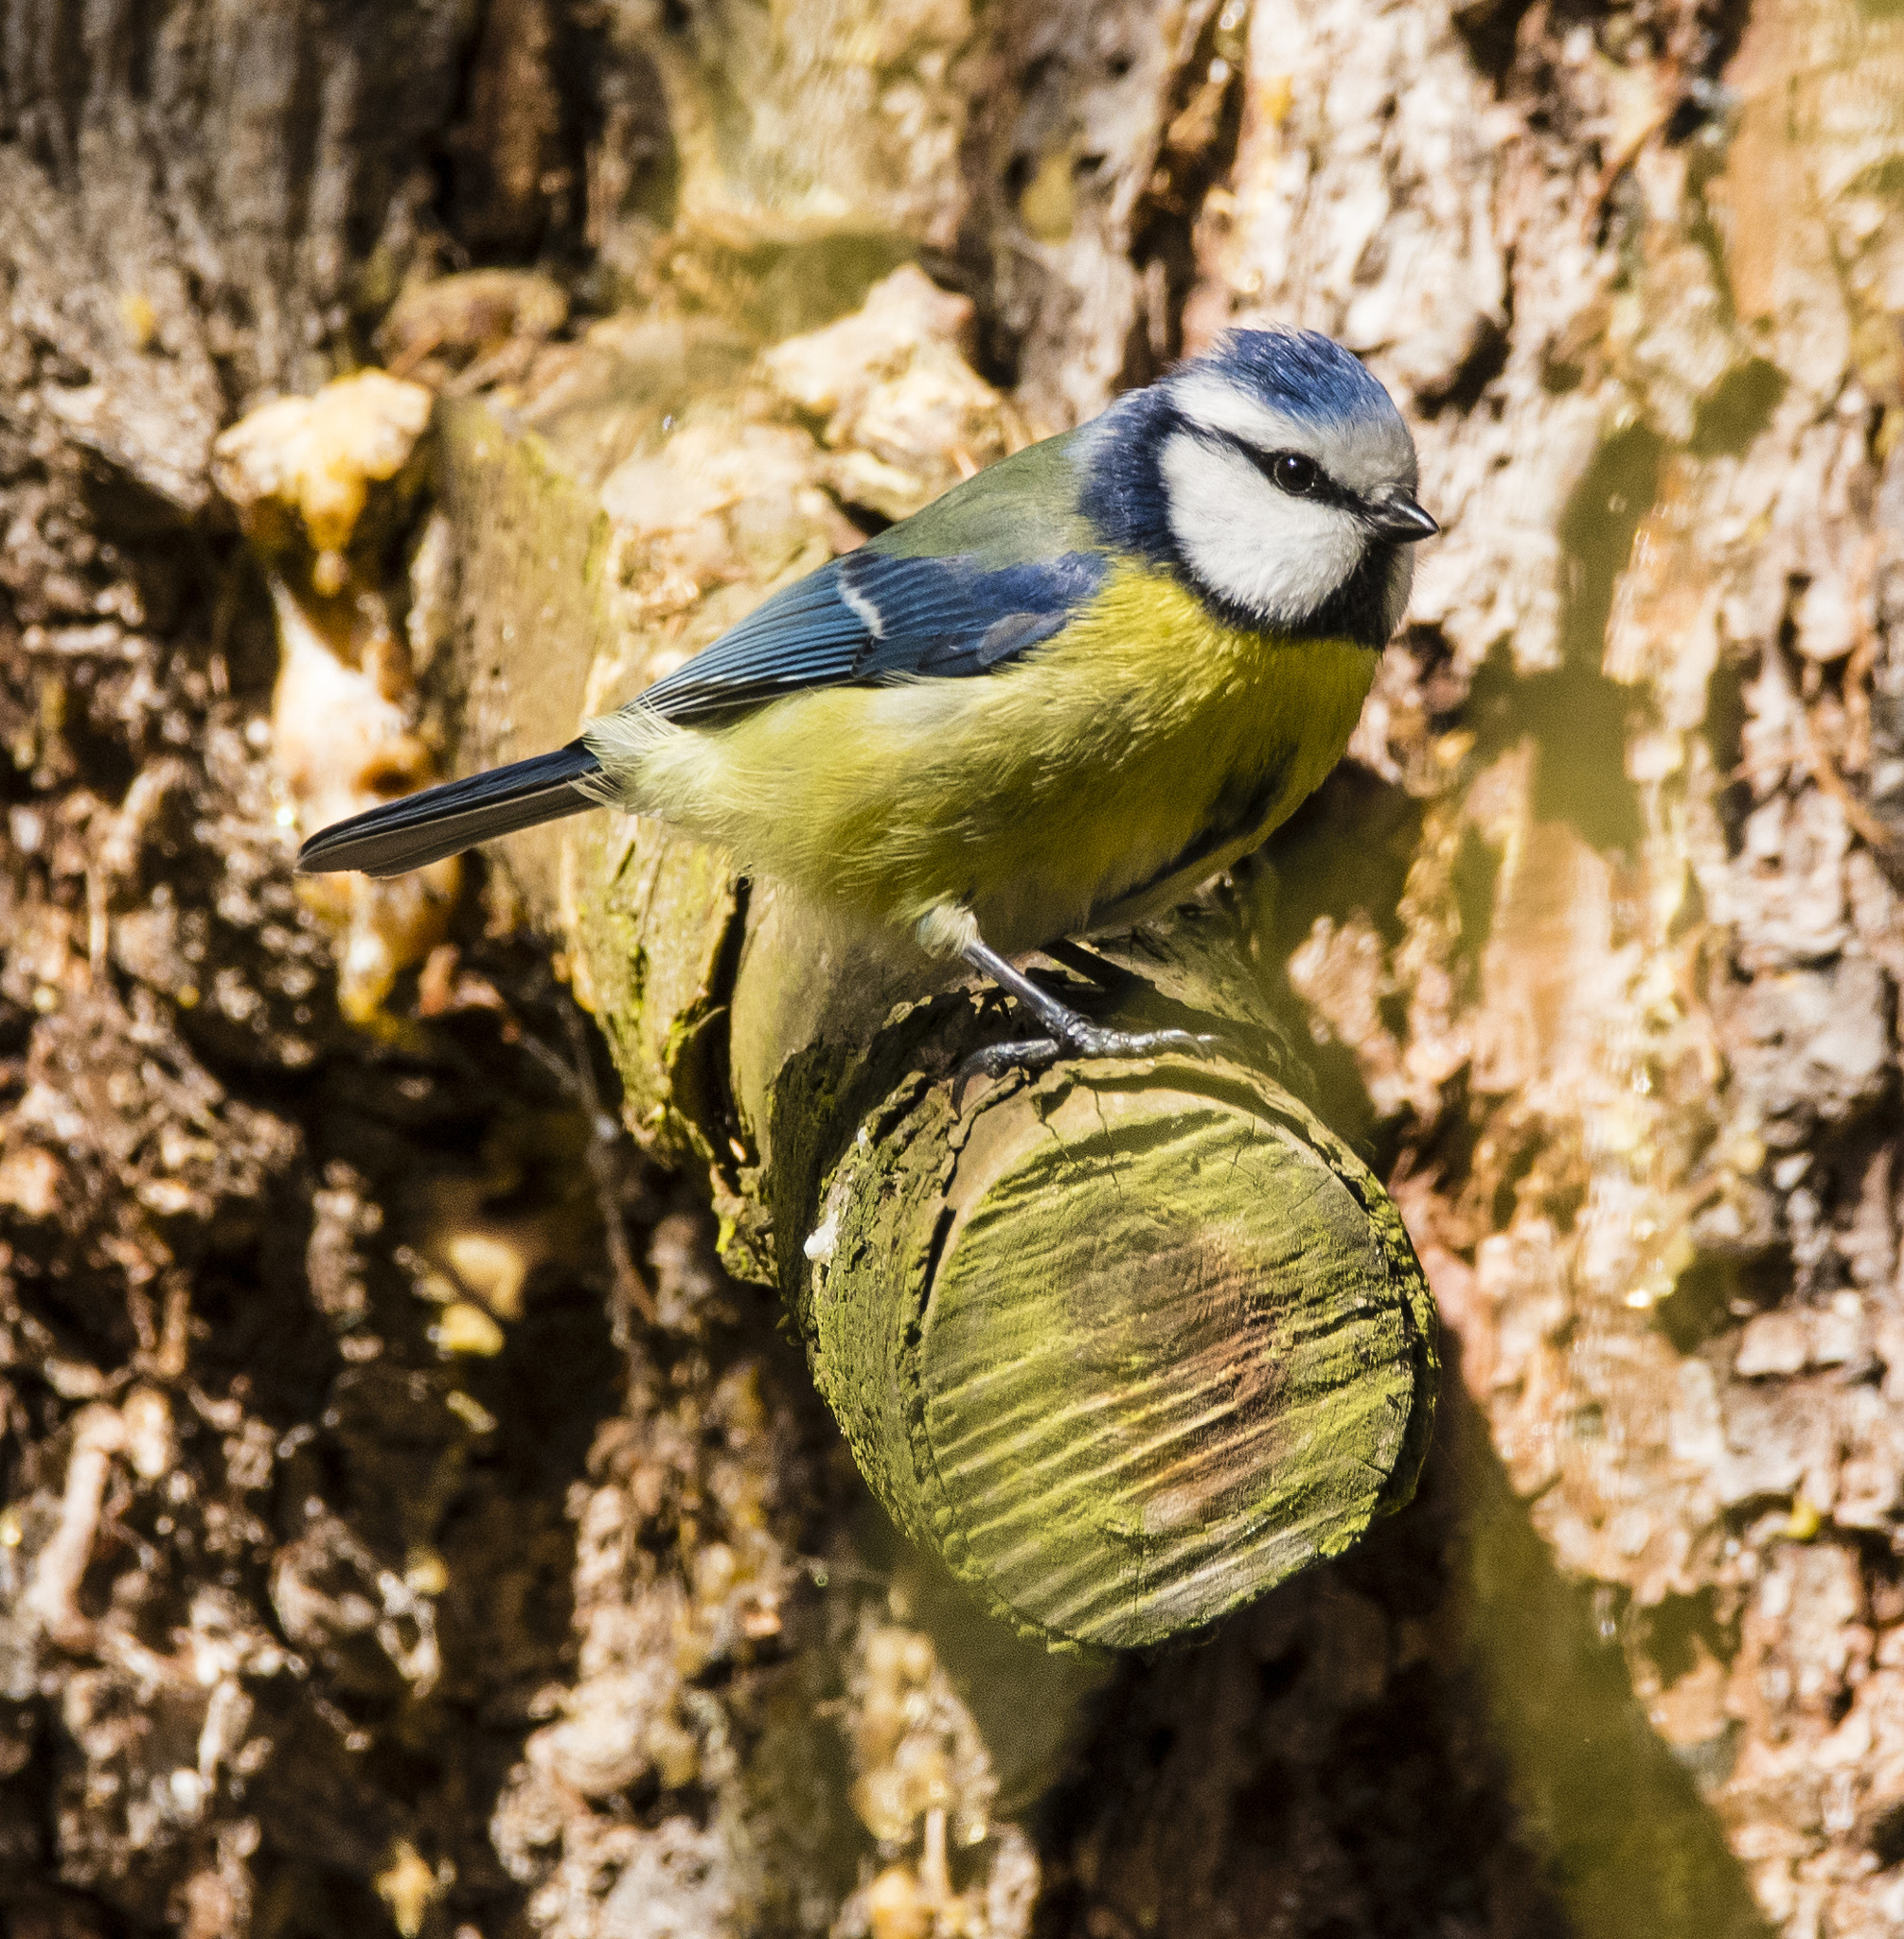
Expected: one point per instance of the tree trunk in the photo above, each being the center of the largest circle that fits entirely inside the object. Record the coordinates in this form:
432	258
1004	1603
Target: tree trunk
407	1519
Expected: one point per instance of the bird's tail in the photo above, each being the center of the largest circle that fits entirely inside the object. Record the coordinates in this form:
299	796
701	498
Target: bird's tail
424	827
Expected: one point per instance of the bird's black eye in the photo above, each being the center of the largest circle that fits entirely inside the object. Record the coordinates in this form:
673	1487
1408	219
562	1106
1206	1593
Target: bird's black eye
1293	472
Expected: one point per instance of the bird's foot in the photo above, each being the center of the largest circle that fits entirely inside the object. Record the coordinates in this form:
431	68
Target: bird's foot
1065	1032
1074	1036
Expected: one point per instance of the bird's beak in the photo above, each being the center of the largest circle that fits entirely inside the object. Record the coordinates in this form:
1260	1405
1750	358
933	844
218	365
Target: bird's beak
1399	518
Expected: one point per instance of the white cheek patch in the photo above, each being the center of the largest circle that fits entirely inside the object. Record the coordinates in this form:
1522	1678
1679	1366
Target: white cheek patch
1276	555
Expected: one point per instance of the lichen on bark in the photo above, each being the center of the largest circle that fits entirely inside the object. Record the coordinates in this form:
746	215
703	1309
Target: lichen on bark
1606	992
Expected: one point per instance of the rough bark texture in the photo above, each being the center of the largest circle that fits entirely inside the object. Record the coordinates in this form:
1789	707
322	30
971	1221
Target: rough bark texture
406	1521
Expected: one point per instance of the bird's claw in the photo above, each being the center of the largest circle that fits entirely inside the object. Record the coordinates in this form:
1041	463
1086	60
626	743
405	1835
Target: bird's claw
1087	1039
1076	1039
995	1060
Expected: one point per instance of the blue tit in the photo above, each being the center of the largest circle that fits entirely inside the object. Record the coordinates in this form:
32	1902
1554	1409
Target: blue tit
1048	704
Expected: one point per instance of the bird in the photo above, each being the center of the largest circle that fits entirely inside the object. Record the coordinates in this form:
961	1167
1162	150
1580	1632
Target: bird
1046	705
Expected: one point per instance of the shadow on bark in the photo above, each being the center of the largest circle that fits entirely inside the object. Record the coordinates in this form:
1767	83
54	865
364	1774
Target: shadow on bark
1438	1728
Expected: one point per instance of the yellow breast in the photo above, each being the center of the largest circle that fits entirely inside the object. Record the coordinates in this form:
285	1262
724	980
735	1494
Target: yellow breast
1140	749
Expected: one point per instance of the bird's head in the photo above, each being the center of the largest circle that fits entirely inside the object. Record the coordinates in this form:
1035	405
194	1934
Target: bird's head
1277	474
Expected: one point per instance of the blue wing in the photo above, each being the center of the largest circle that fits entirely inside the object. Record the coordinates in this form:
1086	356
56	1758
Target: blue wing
872	616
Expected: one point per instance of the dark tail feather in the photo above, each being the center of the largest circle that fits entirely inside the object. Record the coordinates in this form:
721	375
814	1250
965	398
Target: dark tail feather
442	820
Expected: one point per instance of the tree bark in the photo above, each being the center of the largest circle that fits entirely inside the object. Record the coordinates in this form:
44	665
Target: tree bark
354	1575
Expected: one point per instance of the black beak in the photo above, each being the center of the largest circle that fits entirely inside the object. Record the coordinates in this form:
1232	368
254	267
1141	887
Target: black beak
1398	517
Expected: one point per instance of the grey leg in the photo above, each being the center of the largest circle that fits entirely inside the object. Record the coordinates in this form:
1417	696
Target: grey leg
1066	1031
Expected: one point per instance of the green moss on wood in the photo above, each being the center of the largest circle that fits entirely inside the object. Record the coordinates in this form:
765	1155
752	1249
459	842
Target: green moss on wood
1125	1347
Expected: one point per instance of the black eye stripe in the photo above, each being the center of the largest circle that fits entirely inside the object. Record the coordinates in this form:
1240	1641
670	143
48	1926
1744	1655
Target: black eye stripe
1324	491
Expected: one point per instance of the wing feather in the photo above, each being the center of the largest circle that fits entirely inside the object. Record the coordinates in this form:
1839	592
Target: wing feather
1016	562
978	578
868	618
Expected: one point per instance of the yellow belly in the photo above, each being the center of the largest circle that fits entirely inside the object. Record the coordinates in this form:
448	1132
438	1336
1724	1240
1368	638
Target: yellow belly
1138	751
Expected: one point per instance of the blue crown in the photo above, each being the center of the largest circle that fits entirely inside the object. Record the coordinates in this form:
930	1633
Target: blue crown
1304	375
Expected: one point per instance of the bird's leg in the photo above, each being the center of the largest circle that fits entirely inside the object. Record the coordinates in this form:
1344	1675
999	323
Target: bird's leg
1067	1032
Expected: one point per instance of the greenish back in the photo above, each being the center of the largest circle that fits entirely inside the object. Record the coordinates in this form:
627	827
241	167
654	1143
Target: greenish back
1023	508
